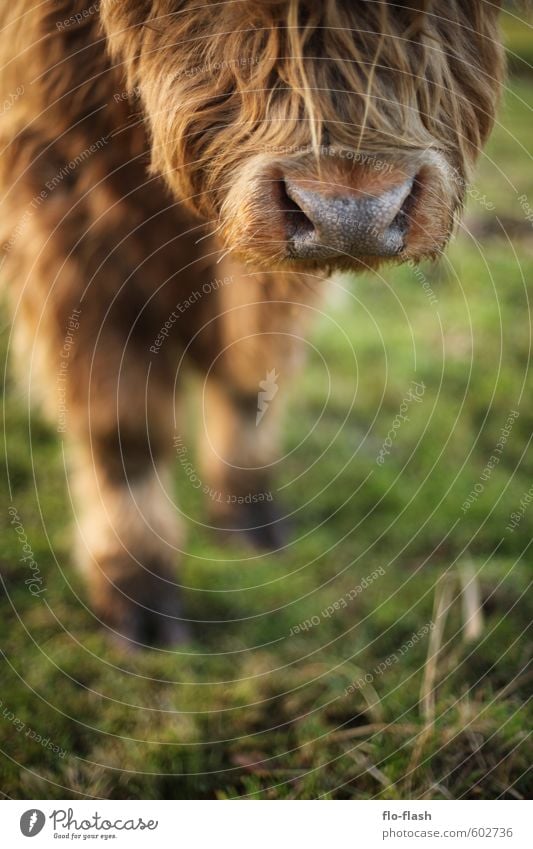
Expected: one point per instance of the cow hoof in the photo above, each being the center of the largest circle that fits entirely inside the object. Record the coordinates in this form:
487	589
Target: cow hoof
145	612
259	525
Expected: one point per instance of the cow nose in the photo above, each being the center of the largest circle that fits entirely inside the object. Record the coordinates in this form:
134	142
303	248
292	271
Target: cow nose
328	224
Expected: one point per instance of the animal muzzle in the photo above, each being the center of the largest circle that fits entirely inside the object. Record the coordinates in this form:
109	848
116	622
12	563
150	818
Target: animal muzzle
321	225
307	215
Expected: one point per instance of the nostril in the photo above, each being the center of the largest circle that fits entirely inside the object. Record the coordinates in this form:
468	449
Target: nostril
297	222
404	216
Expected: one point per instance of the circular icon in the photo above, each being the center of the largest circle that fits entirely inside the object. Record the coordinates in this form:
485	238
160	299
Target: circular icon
32	822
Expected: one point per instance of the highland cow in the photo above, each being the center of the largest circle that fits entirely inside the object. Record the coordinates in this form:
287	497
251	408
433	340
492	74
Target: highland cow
179	180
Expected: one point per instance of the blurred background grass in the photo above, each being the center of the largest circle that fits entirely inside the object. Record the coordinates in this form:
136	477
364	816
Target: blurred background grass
249	709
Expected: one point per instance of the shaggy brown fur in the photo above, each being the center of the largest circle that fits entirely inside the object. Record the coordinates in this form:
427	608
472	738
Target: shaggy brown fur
145	145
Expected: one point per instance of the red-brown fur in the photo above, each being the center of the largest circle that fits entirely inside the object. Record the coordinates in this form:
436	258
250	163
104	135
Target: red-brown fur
180	190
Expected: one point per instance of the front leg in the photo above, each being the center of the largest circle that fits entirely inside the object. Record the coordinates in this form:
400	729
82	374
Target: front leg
258	322
119	433
239	452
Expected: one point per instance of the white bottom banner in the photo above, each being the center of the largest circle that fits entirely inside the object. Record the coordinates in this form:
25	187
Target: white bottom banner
264	825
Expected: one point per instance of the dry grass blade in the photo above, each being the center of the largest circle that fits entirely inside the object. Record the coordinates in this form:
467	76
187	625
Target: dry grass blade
441	607
443	600
374	728
471	603
367	766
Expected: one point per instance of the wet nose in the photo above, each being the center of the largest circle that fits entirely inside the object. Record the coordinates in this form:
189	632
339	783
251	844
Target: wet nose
322	224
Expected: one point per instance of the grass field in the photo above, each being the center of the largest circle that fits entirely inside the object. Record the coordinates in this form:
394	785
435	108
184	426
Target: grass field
385	653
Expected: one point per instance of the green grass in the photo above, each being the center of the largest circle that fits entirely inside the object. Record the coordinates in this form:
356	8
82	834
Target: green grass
247	709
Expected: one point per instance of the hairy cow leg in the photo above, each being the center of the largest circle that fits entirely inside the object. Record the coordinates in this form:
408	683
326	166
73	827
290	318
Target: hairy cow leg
255	326
120	427
117	431
239	459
